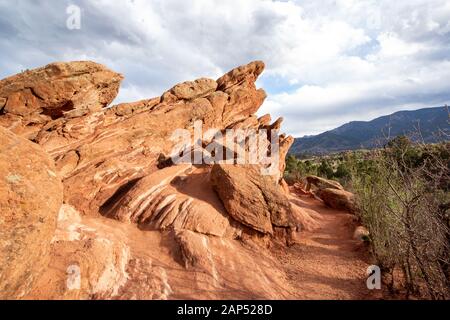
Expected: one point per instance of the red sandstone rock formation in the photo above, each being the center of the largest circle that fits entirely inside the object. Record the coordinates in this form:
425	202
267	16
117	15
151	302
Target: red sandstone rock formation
32	99
113	164
30	197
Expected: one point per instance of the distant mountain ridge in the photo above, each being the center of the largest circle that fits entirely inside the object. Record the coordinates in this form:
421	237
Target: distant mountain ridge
434	124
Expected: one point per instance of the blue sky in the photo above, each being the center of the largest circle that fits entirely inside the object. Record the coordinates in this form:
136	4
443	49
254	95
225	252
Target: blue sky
327	62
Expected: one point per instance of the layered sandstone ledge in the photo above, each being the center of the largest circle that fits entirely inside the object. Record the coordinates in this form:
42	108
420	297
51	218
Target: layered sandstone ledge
132	223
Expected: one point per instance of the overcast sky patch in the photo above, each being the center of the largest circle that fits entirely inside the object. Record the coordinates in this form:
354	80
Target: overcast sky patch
327	62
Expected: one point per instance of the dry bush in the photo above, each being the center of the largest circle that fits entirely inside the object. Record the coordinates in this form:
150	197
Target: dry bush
403	199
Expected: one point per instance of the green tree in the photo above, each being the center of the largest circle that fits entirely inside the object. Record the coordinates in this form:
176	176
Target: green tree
325	170
342	171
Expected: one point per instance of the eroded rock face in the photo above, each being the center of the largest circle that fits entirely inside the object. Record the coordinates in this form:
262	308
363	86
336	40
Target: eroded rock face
254	199
90	263
106	259
102	151
30	197
216	263
115	166
33	98
177	197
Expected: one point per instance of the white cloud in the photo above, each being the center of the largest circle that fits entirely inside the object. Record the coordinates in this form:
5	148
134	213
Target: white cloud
328	62
391	46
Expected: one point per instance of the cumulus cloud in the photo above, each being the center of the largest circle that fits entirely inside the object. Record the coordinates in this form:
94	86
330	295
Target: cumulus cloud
328	62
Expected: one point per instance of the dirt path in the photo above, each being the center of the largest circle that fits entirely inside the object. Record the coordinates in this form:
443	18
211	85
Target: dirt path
327	263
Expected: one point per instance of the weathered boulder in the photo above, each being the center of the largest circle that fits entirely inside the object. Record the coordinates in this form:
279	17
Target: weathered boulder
251	198
30	197
337	199
322	183
33	98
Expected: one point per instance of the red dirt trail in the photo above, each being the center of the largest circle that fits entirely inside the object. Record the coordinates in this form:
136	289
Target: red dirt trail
327	263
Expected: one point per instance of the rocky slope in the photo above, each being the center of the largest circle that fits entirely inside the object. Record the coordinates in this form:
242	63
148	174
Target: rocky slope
93	208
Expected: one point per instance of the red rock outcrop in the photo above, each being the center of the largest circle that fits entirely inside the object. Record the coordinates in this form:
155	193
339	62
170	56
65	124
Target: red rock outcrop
116	163
100	258
177	197
30	197
102	151
28	101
